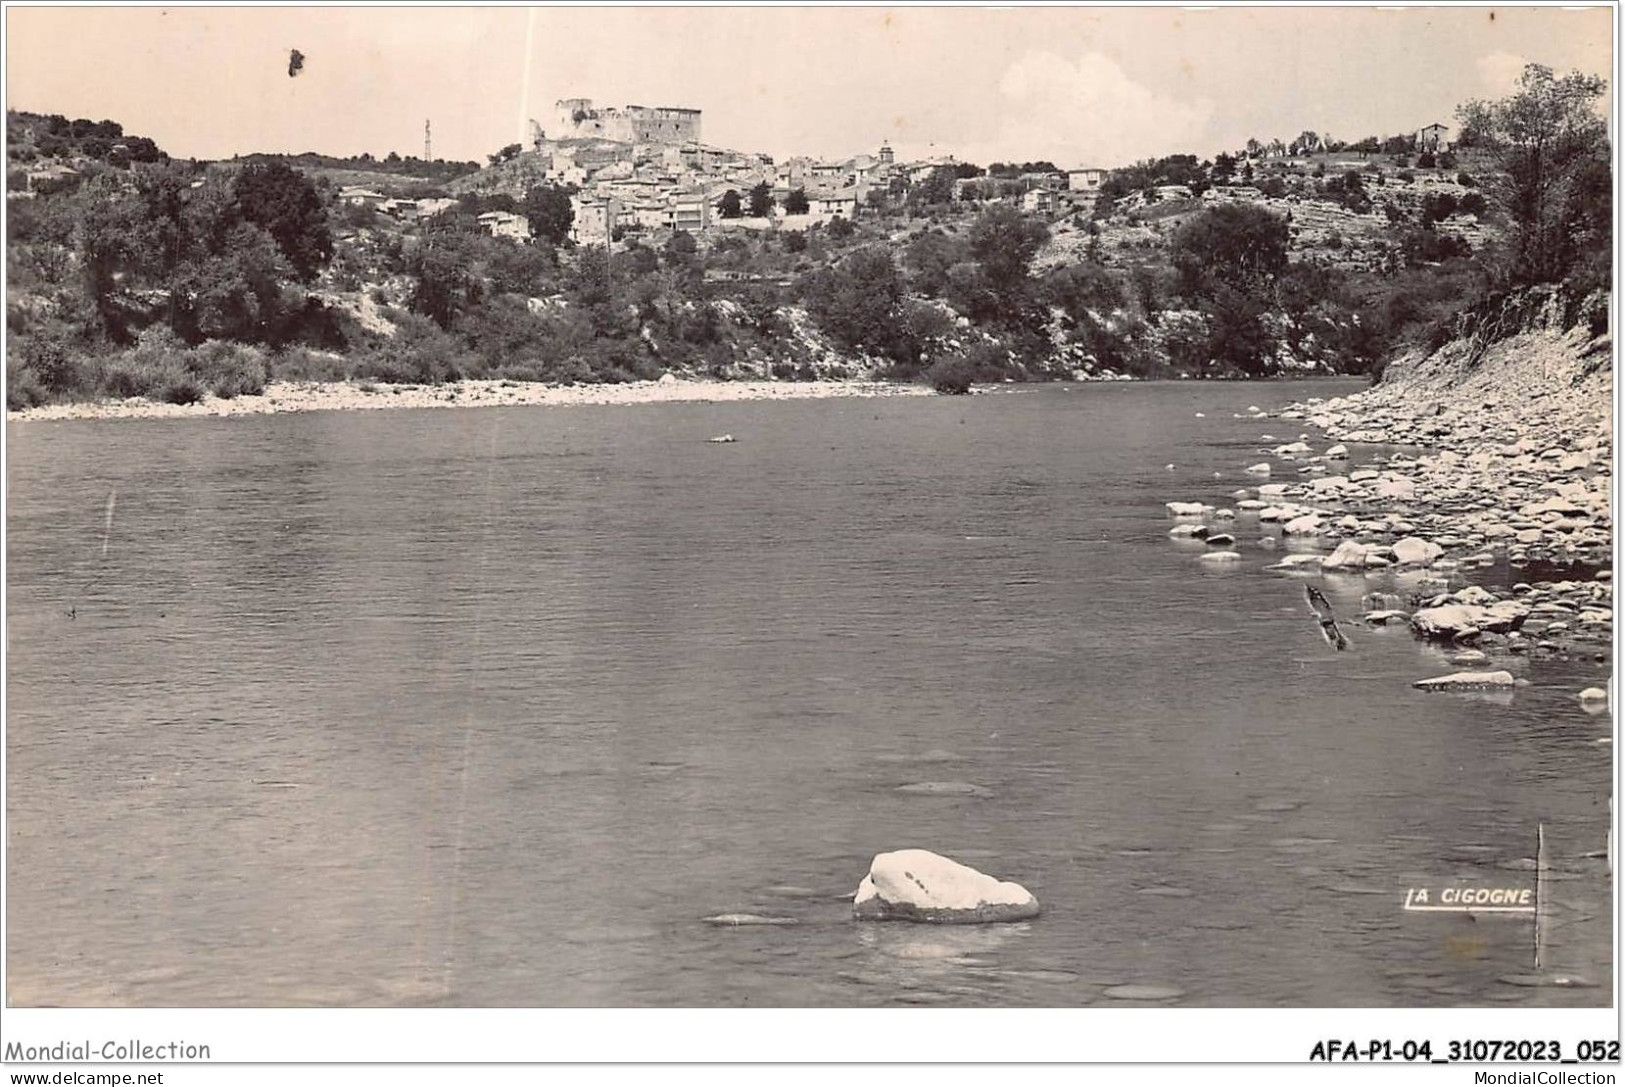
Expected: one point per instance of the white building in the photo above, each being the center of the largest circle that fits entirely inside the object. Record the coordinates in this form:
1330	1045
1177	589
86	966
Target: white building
595	219
505	224
1086	179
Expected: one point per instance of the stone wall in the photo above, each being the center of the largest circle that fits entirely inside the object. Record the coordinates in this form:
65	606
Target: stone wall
576	118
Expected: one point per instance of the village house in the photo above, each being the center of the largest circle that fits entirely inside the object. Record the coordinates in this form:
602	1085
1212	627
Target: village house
831	173
505	224
1038	201
595	220
1434	137
842	203
688	211
355	194
1040	180
1085	179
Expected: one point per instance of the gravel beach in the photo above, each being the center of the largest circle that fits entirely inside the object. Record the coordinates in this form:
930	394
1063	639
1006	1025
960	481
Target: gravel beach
360	396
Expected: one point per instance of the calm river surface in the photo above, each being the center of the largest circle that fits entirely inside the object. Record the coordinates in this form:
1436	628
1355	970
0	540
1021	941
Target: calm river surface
495	706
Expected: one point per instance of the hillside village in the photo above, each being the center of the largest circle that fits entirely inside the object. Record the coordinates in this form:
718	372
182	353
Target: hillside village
634	172
617	245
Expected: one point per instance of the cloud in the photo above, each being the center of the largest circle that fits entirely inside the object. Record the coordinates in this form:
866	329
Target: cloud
1087	112
1500	72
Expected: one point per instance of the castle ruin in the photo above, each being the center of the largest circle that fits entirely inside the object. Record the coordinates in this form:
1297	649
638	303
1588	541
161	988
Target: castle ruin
578	118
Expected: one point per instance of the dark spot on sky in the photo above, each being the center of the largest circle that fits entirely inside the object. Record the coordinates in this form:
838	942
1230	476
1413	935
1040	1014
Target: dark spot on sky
296	63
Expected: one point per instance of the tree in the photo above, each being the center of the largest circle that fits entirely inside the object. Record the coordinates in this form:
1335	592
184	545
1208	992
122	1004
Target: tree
796	203
1241	245
446	285
857	301
761	200
505	154
550	213
236	294
285	204
938	186
729	206
1552	150
1004	242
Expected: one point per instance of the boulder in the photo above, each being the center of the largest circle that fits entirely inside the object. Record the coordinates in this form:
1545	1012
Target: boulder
1259	470
1222	556
1187	509
917	885
1414	551
1448	621
1466	681
1350	555
1395	487
1307	525
1383	618
1337	452
1221	539
1327	484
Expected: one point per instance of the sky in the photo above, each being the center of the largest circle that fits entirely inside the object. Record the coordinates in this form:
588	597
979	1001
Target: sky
1076	86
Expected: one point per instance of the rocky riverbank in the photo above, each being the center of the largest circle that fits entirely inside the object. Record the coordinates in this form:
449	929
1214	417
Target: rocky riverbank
1512	464
363	396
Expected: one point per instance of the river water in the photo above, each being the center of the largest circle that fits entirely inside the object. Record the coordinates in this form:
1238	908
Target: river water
496	706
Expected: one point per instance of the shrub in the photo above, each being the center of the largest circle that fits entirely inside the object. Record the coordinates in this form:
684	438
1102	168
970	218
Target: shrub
23	389
51	357
127	375
185	389
228	369
950	376
299	363
419	353
953	374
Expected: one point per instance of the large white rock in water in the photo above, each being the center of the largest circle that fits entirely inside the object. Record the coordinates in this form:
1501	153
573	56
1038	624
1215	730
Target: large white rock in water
1466	681
918	885
1449	620
1259	469
1415	551
1350	555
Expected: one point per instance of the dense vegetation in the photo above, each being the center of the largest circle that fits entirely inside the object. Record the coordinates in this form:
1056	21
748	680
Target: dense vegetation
412	167
132	274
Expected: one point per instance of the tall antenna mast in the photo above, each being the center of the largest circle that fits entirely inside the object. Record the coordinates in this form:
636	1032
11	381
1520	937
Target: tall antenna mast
427	157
